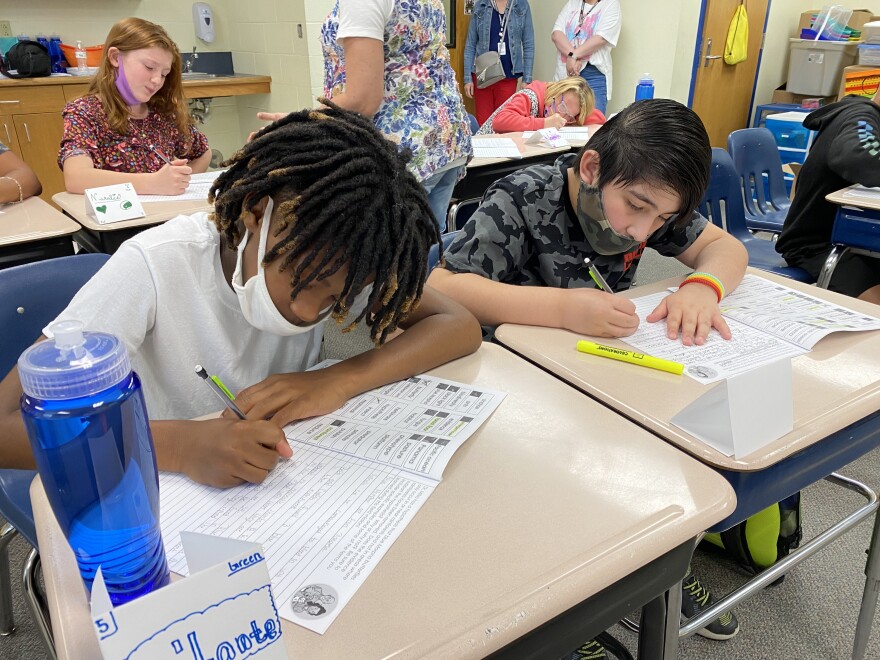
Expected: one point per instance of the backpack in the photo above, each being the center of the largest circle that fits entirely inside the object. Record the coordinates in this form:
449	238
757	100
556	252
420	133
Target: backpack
736	48
764	538
29	58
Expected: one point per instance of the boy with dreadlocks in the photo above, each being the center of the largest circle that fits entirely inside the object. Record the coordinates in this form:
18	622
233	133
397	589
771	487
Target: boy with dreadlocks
317	217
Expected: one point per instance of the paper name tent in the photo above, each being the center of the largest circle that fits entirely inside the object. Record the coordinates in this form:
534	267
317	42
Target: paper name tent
114	203
743	413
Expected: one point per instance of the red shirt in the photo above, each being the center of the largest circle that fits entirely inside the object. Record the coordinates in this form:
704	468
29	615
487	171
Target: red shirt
517	113
87	133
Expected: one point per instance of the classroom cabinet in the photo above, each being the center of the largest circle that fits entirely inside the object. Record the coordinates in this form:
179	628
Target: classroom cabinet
32	128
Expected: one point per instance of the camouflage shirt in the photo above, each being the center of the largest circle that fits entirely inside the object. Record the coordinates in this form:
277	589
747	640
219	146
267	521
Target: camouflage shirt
526	232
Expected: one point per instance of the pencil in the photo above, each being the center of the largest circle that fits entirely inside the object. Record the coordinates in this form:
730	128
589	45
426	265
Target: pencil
220	390
597	276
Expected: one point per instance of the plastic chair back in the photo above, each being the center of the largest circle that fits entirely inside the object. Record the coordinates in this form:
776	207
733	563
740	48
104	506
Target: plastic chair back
723	205
434	253
756	159
32	295
475	125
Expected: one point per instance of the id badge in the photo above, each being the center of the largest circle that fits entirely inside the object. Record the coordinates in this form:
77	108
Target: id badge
502	49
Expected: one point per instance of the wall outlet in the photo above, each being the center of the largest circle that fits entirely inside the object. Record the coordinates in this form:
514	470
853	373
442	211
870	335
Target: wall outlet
5	29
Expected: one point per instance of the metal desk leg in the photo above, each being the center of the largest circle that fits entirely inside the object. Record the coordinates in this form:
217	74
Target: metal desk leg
7	619
673	621
869	596
830	264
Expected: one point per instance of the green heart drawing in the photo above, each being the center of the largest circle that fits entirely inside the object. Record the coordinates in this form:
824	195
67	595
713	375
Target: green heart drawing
126	205
102	208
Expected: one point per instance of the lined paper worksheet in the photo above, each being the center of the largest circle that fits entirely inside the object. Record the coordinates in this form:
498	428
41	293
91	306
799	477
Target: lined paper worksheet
326	516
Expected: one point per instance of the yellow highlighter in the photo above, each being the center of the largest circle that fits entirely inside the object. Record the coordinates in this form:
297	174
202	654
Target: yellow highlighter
629	356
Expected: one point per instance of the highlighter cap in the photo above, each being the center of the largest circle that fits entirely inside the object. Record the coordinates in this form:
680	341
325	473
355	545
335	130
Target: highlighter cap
73	363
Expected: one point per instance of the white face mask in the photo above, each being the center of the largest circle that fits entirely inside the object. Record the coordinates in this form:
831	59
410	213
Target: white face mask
253	296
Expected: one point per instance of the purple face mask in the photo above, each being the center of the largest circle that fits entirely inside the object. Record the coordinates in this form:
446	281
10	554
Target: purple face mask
122	85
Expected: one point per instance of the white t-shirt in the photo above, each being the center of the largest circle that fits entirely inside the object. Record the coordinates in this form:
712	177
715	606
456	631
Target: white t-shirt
604	20
364	18
165	296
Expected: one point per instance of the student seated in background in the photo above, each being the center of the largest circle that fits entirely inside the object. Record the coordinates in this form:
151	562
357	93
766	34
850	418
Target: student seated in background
566	102
316	218
520	257
846	151
17	180
133	124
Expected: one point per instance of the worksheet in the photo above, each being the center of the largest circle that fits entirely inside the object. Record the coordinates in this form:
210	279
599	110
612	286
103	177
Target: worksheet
864	192
486	147
769	321
198	188
327	515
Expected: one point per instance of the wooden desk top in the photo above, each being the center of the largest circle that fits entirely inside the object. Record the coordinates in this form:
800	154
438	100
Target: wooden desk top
834	385
156	212
553	499
32	220
860	201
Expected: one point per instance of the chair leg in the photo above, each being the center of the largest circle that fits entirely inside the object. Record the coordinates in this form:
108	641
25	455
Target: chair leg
37	602
830	264
7	616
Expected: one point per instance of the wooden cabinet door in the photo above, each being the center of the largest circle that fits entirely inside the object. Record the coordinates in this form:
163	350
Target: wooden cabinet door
39	137
8	136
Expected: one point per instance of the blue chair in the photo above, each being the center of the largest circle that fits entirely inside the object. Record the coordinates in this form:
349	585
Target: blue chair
32	295
724	189
756	156
460	212
475	125
434	253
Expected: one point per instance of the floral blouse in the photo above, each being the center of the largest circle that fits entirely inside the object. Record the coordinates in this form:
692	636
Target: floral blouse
87	133
422	109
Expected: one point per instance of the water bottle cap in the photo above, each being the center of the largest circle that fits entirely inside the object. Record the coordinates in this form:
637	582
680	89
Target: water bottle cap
647	78
73	364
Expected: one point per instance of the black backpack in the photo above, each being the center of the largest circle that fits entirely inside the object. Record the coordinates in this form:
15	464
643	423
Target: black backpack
29	58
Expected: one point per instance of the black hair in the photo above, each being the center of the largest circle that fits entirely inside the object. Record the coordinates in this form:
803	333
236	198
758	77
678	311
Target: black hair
343	196
659	142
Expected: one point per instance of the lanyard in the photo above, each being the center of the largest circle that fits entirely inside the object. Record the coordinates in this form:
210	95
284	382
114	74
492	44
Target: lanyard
504	18
582	16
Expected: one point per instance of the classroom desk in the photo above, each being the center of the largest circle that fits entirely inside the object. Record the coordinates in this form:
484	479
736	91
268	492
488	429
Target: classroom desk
95	237
483	172
33	230
856	228
541	534
836	391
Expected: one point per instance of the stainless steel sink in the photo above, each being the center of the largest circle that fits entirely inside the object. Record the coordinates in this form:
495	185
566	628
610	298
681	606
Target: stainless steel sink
197	75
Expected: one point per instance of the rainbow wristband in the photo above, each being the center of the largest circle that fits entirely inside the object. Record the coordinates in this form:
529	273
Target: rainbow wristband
708	280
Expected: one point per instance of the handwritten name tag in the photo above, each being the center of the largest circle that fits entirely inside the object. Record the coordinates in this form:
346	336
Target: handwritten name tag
113	203
223	611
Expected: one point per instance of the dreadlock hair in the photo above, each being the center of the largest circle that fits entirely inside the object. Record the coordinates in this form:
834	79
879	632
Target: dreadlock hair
343	196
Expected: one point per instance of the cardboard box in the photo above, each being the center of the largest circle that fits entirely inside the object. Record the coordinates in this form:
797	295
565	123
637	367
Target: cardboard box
782	95
857	20
850	70
863	80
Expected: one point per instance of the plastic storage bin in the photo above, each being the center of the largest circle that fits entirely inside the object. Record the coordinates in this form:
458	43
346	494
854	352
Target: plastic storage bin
814	67
869	54
788	129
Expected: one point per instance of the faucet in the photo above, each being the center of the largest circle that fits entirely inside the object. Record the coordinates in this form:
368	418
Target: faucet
187	68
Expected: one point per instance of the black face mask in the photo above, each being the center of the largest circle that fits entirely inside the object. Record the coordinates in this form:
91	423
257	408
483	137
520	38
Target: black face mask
600	235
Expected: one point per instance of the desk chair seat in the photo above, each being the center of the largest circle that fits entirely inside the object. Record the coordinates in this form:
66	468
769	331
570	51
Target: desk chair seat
756	156
30	297
723	205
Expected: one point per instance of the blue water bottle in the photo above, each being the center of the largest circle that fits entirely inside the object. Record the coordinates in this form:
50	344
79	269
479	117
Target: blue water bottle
56	55
645	88
85	416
